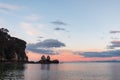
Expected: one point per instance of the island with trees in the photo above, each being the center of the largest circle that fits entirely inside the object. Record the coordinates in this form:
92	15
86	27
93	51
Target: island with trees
47	60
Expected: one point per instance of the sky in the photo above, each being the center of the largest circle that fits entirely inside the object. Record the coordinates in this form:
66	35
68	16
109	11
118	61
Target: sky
68	30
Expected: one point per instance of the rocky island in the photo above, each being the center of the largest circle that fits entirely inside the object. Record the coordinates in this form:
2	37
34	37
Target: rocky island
47	60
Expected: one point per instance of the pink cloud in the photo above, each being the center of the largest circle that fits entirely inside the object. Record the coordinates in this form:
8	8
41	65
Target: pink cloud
28	27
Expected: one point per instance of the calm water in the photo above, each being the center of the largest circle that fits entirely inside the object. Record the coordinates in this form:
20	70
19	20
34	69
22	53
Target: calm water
64	71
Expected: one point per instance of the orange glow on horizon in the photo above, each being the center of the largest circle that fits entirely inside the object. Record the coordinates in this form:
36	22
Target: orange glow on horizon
68	56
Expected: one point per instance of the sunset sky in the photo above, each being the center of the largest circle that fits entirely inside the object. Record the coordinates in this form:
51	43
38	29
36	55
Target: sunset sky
68	30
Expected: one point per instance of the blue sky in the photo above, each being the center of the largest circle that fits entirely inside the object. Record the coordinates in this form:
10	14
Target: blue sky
88	22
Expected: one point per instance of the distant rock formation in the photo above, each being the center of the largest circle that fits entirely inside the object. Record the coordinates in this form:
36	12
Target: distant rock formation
47	60
11	48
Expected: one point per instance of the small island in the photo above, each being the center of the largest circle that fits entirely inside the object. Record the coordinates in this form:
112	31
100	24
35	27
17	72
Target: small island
47	60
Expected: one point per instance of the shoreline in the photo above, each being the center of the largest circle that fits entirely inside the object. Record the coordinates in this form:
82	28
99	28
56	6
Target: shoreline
30	62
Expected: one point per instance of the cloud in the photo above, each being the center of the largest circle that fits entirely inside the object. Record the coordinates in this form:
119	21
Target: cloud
46	46
48	43
32	17
59	23
59	29
114	53
112	32
42	51
114	44
40	37
29	28
8	7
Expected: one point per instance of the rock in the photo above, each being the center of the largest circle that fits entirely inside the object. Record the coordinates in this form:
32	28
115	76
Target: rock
11	48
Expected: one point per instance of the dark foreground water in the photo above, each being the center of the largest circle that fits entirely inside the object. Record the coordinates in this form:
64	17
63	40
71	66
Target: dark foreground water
64	71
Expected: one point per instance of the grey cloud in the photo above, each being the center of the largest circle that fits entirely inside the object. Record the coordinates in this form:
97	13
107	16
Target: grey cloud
114	53
59	23
42	51
114	31
46	46
114	44
40	37
8	7
50	43
59	29
4	9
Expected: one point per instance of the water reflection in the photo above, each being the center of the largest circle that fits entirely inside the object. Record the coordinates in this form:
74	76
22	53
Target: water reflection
45	66
41	72
115	71
71	71
11	71
45	75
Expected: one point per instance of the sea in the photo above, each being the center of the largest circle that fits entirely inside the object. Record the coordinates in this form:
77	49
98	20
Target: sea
62	71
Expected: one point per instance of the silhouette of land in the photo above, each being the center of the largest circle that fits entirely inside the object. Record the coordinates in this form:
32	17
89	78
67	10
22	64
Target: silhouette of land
12	50
47	60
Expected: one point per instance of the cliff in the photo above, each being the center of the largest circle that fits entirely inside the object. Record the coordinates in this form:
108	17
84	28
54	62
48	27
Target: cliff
11	48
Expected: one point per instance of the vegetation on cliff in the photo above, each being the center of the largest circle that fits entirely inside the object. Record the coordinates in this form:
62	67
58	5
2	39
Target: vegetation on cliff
11	48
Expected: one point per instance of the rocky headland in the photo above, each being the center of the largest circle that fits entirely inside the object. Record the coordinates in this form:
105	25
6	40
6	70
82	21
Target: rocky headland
12	50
